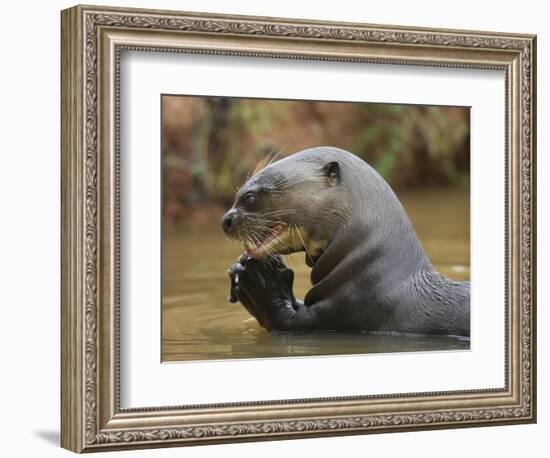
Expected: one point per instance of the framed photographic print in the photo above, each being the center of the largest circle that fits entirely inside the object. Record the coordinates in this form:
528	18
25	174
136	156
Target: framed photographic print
221	151
278	228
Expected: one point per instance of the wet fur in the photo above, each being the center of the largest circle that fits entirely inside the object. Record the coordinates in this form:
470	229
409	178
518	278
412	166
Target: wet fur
371	275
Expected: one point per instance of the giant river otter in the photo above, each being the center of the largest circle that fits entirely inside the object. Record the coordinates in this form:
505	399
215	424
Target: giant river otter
369	271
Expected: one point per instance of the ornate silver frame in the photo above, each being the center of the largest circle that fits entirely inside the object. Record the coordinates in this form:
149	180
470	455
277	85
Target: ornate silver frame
92	40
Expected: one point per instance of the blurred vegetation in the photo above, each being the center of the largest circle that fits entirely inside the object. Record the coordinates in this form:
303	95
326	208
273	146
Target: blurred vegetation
210	144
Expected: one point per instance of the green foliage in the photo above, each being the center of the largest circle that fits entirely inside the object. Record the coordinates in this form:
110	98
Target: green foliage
223	140
402	139
389	159
254	117
367	137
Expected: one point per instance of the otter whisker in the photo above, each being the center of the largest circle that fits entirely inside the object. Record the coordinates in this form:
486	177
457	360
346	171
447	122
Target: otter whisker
257	231
273	222
279	239
304	243
267	222
260	236
289	210
275	234
281	181
279	212
255	239
262	164
252	172
276	155
255	236
267	160
256	168
248	174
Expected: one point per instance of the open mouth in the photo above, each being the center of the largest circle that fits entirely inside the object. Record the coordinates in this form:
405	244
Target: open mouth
267	244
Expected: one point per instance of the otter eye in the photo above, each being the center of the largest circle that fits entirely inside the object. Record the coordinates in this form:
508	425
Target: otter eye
250	201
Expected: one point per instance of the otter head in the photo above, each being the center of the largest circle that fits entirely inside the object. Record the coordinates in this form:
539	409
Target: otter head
294	204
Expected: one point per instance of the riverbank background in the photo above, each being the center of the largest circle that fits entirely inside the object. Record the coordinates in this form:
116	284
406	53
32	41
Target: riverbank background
210	145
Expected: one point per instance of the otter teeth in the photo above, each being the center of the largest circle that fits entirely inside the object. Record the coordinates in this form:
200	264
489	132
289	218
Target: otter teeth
253	249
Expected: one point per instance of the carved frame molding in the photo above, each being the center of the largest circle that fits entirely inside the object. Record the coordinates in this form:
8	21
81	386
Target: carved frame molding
92	40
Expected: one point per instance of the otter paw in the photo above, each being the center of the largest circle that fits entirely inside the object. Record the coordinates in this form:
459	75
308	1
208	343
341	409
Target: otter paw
264	287
236	291
266	279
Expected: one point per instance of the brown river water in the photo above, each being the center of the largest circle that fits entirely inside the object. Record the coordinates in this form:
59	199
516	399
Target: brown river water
198	323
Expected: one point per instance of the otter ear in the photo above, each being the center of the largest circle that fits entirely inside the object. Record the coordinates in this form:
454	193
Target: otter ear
332	172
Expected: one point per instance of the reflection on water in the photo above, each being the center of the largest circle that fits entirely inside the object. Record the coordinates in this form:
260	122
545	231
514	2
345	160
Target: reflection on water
199	323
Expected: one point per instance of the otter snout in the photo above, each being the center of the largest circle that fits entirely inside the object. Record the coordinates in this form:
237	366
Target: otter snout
228	222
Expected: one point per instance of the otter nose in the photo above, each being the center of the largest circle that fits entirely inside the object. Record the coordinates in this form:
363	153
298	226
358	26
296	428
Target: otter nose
228	220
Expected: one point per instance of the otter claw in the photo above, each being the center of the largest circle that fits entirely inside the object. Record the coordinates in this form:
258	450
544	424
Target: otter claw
243	259
234	276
